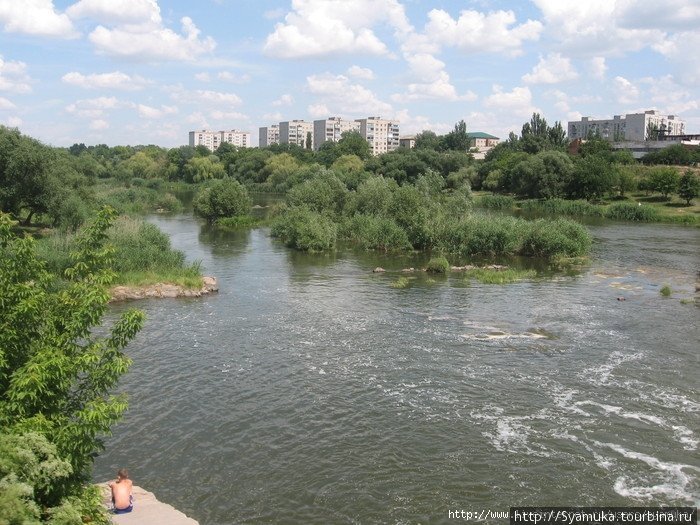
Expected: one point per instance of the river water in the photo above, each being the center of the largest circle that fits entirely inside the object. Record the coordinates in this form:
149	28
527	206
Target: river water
309	391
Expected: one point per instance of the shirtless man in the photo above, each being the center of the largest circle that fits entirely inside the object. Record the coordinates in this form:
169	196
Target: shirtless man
121	492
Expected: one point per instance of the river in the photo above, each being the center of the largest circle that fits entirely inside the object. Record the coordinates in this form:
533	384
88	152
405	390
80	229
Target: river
309	391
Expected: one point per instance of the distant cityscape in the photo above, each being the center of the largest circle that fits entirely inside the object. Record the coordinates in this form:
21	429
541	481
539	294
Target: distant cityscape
639	132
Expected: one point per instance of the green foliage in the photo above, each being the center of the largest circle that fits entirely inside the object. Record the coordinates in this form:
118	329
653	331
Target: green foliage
543	175
411	210
676	154
577	208
593	177
199	169
666	290
499	276
226	198
305	230
457	139
495	202
689	187
353	143
630	211
559	237
664	180
374	233
438	265
400	283
56	374
324	192
372	197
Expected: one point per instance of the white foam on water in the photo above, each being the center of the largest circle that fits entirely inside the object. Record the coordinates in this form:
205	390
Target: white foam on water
600	375
498	335
563	399
685	436
610	409
675	483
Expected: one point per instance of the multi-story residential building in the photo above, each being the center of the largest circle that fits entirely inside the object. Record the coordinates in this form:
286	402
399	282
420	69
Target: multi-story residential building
381	134
332	129
633	126
481	140
269	135
296	132
409	141
214	139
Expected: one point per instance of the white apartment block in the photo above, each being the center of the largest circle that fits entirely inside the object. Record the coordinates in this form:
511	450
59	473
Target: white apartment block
295	132
214	139
332	129
633	126
269	135
409	141
381	134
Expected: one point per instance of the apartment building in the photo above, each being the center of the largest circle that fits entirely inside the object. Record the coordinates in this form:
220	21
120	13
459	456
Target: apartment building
381	134
332	129
633	126
409	142
268	135
296	132
213	139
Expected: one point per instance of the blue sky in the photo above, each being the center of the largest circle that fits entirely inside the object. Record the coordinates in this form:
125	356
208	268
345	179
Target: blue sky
147	71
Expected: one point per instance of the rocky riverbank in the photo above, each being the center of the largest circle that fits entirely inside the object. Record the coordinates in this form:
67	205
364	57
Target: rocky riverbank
125	293
147	510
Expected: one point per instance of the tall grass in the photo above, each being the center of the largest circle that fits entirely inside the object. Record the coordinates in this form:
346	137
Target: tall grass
143	255
374	233
495	202
628	211
509	275
575	208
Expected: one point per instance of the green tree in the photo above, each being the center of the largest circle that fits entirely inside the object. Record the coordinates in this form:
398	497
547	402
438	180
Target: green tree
224	198
689	187
457	139
544	175
56	373
199	169
593	177
664	180
427	139
626	180
353	143
309	140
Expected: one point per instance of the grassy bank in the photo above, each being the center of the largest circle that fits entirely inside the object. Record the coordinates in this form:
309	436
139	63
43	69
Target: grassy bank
636	208
143	255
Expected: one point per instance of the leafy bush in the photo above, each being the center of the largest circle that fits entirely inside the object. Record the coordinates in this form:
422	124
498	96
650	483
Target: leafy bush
629	211
325	192
169	202
557	237
666	291
374	233
305	230
438	265
225	198
496	202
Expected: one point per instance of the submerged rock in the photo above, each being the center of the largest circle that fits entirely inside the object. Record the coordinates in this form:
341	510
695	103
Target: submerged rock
124	293
408	270
378	269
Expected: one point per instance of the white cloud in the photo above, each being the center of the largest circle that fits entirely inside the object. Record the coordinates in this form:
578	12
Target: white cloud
149	112
273	117
113	80
668	15
362	73
145	42
413	124
6	104
230	77
326	27
626	92
591	28
517	102
95	107
342	97
598	67
669	96
14	77
680	49
203	77
138	13
228	115
35	17
204	97
474	32
13	122
198	120
284	100
318	111
434	82
99	124
552	69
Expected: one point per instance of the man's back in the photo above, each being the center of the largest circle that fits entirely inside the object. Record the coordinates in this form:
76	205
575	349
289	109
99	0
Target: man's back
121	493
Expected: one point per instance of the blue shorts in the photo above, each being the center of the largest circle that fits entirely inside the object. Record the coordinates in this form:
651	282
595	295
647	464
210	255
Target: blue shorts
127	509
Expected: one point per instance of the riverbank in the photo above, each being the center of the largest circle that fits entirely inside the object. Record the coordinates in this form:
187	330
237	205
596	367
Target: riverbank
147	510
159	290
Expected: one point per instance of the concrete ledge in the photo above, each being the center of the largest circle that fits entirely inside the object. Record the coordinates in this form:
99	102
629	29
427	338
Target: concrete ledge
147	510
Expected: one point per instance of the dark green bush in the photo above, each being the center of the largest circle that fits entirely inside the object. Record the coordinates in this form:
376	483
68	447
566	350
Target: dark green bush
438	265
496	202
629	211
305	230
223	198
374	233
560	237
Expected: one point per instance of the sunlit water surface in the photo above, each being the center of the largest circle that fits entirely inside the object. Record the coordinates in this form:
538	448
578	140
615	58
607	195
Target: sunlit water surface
309	391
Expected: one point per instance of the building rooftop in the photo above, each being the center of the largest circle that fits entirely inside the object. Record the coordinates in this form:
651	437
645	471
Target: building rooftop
480	135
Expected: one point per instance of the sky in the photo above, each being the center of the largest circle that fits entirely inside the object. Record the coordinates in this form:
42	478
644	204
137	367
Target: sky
149	71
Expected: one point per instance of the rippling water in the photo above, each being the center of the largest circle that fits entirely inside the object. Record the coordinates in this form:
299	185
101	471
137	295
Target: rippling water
310	391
